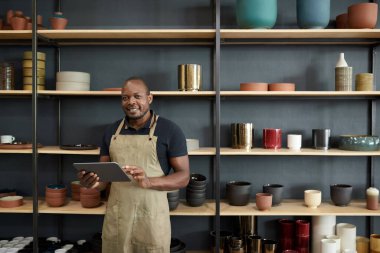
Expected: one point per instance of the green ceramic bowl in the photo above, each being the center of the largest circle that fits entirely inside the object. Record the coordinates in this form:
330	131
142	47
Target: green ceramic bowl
359	142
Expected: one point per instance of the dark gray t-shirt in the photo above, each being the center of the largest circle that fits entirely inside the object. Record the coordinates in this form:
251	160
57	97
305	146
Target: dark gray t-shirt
171	141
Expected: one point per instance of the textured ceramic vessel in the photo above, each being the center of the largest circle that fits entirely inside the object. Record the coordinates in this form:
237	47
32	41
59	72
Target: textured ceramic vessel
362	15
238	193
58	21
341	194
313	14
359	142
259	14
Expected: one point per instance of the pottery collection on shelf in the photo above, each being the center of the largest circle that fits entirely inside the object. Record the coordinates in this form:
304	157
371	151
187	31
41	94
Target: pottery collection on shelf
16	20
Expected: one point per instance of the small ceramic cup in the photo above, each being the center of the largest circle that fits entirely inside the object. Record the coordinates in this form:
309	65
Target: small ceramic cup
313	198
294	141
362	244
263	201
341	194
372	196
321	138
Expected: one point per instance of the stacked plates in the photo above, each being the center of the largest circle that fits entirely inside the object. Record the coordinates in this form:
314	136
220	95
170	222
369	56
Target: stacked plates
27	65
73	81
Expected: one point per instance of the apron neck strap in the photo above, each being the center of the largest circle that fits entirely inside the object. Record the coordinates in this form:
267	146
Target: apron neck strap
152	126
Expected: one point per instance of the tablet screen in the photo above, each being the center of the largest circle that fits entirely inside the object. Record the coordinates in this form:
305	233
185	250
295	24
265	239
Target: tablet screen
106	171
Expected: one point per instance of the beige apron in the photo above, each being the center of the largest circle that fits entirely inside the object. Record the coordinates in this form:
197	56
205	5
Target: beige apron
137	220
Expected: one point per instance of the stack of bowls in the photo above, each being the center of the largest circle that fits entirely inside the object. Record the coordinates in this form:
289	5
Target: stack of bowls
27	65
89	198
173	199
177	246
73	81
75	190
196	190
55	195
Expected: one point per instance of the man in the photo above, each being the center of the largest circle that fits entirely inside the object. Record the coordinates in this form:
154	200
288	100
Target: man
137	216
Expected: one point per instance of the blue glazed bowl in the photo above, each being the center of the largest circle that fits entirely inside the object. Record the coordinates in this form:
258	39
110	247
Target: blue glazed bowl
256	13
313	14
359	142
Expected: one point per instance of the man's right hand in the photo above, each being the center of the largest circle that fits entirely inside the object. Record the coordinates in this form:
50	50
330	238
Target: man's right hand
88	179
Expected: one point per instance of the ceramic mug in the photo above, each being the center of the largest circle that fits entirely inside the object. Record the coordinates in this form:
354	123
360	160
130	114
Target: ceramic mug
294	141
272	138
313	198
321	138
7	139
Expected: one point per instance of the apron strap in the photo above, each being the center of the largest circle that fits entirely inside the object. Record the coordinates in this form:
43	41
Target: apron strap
151	131
119	127
153	126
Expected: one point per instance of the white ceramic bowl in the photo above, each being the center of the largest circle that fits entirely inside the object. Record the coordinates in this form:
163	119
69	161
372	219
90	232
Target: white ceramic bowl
73	76
76	86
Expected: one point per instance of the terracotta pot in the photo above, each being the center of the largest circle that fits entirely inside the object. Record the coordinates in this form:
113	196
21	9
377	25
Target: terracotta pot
342	21
11	201
75	196
55	188
362	15
88	191
89	197
10	14
254	86
55	194
39	20
263	201
1	24
90	203
58	23
18	22
55	202
282	87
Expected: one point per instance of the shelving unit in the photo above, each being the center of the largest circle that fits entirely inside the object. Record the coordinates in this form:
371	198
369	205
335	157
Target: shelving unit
209	37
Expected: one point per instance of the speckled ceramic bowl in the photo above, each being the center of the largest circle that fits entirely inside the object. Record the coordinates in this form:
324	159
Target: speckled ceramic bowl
359	142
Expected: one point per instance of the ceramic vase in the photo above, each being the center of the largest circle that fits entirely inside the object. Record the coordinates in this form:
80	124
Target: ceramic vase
58	21
258	14
313	14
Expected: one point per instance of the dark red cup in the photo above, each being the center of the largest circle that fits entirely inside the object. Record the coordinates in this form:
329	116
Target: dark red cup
302	228
272	138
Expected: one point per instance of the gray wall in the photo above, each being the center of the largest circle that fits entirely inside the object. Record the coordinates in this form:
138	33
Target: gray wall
84	119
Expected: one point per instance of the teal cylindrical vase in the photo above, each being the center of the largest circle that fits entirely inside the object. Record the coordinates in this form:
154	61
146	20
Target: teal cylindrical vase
313	14
256	13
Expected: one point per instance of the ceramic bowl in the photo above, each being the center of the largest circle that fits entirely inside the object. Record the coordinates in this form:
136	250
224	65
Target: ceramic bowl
7	192
282	87
192	144
313	198
90	203
73	76
173	205
11	201
359	142
362	15
72	86
194	202
173	194
89	191
342	21
51	194
254	86
197	179
55	188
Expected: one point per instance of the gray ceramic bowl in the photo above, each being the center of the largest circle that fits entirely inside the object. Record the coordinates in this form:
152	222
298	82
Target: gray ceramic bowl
359	142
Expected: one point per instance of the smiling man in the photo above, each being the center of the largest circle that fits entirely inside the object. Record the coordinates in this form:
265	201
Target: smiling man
148	147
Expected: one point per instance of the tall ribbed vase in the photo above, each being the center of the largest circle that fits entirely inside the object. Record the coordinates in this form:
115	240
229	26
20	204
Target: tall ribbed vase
256	13
313	14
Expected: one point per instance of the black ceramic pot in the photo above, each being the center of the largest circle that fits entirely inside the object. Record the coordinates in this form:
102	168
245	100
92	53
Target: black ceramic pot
276	191
197	179
341	194
238	193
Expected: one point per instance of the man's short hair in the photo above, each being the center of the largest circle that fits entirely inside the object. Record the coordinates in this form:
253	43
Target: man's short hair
137	78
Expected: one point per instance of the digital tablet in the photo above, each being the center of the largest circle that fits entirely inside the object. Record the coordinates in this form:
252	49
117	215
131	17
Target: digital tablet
106	171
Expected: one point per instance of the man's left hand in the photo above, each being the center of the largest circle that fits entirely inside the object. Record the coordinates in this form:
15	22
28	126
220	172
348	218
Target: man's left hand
139	175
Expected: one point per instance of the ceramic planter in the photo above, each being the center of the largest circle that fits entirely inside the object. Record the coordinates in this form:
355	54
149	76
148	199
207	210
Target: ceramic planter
362	15
313	14
341	194
259	14
58	23
238	193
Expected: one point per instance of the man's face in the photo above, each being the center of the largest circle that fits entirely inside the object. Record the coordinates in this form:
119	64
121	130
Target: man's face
134	99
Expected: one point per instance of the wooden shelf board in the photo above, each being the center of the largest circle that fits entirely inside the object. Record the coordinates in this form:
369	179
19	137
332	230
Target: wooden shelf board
300	33
74	207
55	150
129	34
297	208
15	35
117	93
15	151
15	93
302	93
302	152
